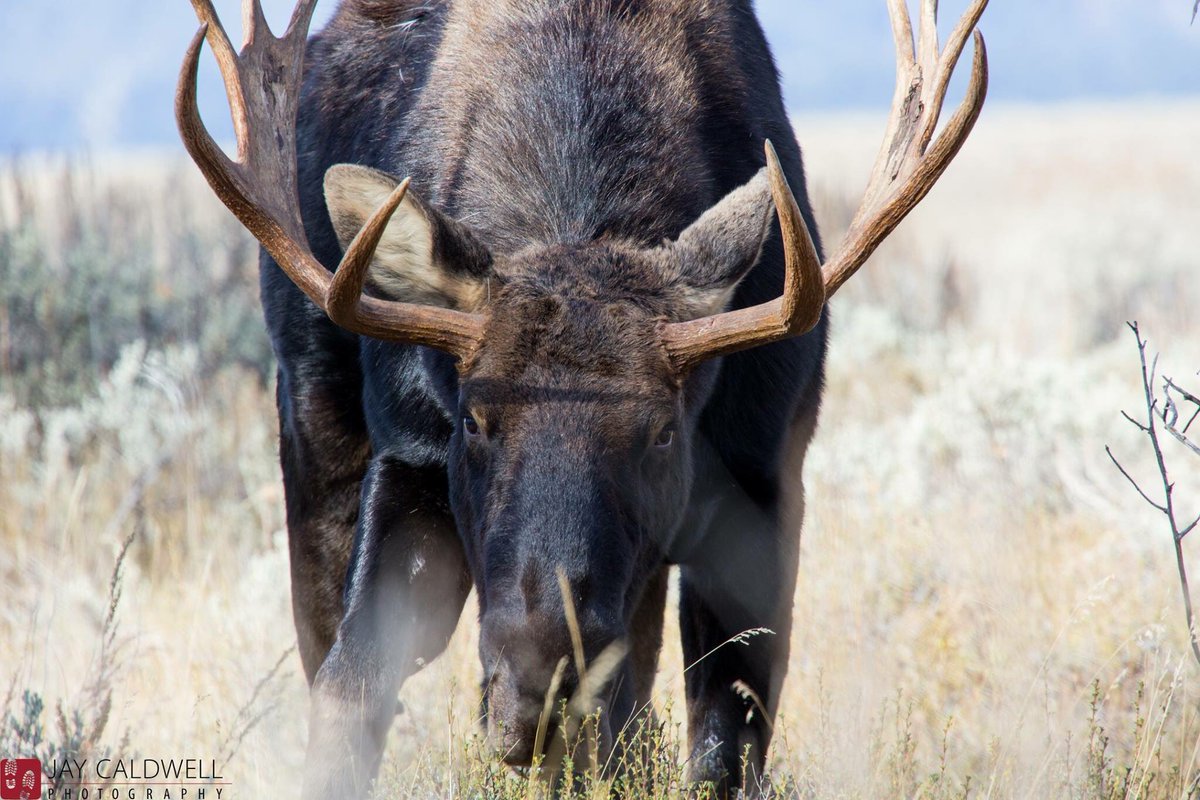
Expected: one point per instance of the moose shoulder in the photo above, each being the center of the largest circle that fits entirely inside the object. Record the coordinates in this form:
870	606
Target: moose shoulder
572	349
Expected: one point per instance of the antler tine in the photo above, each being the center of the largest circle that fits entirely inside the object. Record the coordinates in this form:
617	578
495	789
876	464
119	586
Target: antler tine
227	61
937	80
196	138
342	297
301	18
220	42
803	283
902	36
254	21
957	39
798	310
905	103
927	44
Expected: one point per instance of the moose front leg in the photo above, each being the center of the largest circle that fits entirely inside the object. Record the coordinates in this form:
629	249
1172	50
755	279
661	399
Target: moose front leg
737	584
405	590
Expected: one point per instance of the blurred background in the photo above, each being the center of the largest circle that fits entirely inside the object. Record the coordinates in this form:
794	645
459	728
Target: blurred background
985	608
100	76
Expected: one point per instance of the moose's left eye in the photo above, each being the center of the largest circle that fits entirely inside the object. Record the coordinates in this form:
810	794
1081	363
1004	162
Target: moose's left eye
470	427
666	437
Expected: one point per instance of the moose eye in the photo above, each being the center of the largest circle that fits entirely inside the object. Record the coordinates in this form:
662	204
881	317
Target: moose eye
470	427
666	437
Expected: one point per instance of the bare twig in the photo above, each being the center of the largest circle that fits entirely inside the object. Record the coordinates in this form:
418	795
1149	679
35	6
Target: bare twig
1186	442
1135	423
1133	482
1184	393
1168	416
1189	528
1172	424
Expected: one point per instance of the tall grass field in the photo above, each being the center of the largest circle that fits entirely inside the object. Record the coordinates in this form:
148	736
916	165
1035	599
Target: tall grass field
986	608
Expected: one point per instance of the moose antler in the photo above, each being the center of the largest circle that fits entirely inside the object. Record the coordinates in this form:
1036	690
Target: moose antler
910	162
260	188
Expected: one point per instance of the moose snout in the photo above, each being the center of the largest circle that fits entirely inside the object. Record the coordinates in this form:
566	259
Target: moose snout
514	710
531	666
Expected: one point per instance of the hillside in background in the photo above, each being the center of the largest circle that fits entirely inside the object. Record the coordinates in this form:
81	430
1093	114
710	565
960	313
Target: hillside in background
100	76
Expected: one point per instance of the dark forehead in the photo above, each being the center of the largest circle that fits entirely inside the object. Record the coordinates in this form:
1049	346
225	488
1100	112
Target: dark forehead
607	272
556	347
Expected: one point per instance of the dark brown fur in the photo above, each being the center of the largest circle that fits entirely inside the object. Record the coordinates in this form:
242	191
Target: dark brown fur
566	145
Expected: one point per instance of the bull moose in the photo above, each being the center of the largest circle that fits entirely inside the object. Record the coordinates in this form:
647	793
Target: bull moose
572	350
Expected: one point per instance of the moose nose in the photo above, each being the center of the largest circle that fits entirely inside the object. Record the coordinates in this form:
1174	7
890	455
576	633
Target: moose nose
533	624
529	670
515	708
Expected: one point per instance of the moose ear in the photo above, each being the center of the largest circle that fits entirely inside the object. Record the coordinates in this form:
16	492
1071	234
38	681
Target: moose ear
424	256
709	259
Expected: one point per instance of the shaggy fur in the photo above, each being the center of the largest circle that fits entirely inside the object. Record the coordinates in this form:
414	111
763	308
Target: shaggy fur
563	155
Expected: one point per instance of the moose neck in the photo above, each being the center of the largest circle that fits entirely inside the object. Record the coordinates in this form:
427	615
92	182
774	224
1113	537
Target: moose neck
559	121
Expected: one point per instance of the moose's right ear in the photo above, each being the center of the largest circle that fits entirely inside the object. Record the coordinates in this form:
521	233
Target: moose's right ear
424	256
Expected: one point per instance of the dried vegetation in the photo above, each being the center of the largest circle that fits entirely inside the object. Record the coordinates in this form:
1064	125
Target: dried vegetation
986	609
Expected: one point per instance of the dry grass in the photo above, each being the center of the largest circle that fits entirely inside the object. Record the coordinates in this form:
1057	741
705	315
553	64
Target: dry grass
984	609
